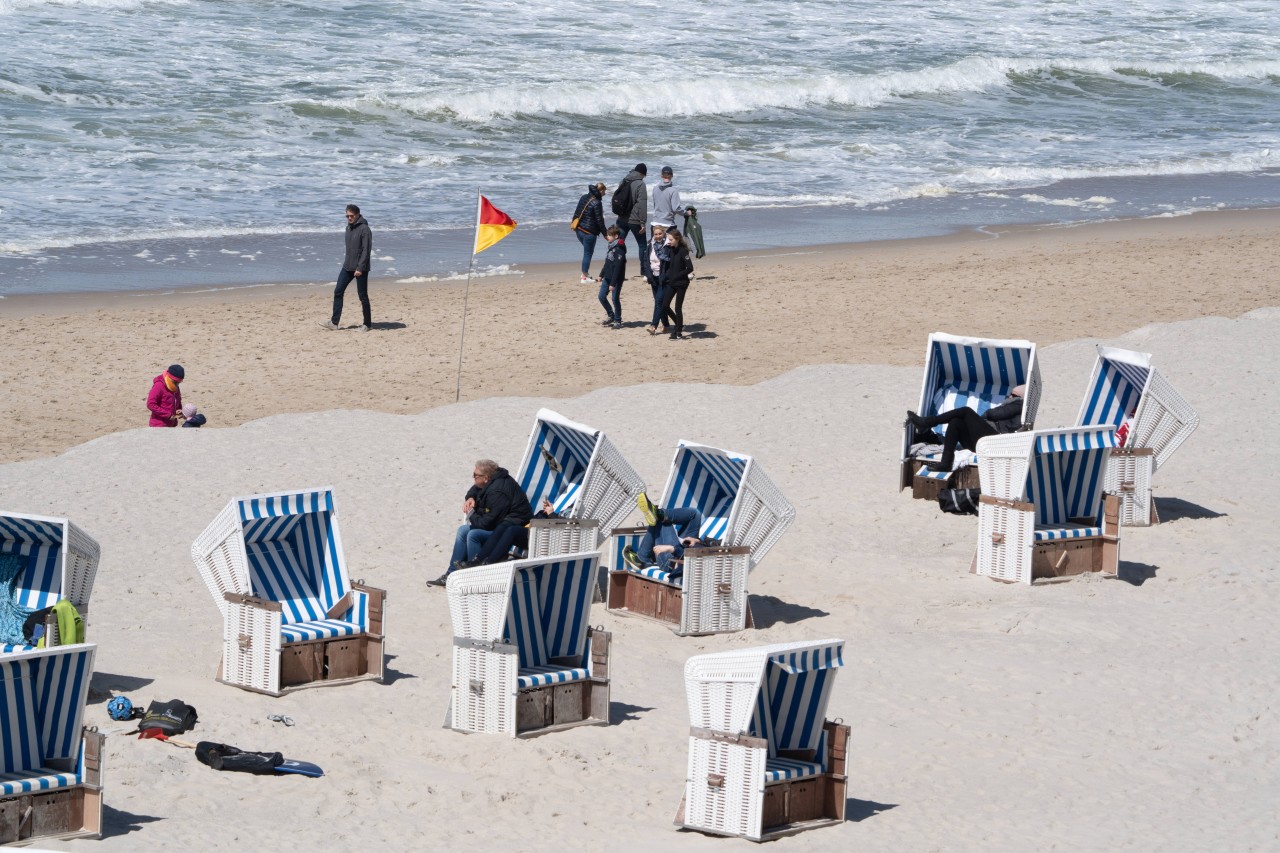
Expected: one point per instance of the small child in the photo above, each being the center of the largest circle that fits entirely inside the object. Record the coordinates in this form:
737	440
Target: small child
191	417
612	275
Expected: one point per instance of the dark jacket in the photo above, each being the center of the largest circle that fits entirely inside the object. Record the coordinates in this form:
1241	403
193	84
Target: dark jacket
502	500
1006	417
359	246
614	271
639	199
676	269
590	212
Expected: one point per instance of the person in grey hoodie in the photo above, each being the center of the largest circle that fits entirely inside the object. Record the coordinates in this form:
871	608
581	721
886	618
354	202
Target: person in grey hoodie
634	219
666	201
355	265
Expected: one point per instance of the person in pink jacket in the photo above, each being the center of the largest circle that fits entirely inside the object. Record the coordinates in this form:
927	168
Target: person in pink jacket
165	400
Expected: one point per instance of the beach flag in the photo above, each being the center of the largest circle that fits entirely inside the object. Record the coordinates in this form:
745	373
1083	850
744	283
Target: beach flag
491	226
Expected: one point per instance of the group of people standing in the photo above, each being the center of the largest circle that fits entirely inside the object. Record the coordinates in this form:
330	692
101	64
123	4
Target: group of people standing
664	252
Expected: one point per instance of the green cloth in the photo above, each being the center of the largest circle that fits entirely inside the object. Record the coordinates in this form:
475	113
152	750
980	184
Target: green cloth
12	614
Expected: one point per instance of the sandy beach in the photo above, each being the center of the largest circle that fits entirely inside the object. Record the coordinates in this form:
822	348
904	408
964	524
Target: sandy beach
85	363
1103	713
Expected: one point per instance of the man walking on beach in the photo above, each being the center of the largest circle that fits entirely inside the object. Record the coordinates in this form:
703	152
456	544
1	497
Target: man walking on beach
633	218
666	201
355	265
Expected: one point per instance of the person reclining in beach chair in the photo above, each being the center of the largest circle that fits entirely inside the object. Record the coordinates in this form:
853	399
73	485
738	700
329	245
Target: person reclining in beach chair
670	533
965	426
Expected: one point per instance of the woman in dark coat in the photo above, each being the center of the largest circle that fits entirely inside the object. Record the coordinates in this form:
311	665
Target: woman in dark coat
590	216
674	280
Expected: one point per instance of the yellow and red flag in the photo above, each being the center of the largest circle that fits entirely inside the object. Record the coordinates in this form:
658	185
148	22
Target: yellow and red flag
491	226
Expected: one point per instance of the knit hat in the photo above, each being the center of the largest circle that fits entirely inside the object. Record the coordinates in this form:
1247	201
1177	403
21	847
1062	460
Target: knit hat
176	371
642	168
188	410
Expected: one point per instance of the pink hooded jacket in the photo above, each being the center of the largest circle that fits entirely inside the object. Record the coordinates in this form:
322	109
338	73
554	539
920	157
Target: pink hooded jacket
164	404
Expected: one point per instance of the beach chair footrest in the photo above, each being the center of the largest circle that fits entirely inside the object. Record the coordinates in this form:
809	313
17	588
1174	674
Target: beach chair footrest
641	596
325	660
64	813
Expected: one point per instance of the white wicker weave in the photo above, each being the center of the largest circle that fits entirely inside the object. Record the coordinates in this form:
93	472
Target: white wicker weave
484	690
1162	421
77	559
721	690
252	645
1006	519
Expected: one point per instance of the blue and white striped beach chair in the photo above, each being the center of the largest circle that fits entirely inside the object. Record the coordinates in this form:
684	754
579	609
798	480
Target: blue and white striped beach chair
291	616
958	372
740	507
525	658
50	767
1043	511
61	562
1125	385
763	759
589	483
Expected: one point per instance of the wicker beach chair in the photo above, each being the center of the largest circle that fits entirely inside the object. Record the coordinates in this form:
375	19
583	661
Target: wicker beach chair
741	508
525	660
763	759
61	562
50	767
1043	512
958	372
291	617
1124	384
589	483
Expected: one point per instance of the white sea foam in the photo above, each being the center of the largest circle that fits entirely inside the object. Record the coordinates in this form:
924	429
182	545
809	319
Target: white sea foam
483	272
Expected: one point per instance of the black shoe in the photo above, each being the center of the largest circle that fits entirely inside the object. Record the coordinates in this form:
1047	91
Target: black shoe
443	580
939	466
711	543
916	421
466	564
608	322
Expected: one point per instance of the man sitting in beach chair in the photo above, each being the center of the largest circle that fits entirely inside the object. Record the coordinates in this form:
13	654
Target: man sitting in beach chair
663	544
494	499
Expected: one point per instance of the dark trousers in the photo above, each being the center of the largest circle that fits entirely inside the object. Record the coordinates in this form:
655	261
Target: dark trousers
362	289
673	306
504	537
638	230
964	428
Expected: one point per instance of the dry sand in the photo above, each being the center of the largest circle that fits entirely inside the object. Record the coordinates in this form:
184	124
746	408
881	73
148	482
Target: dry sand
1098	714
80	367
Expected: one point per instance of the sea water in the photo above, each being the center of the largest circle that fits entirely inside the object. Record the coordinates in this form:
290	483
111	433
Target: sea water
161	143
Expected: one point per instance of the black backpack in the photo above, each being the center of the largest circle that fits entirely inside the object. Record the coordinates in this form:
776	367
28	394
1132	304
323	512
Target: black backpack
621	200
172	718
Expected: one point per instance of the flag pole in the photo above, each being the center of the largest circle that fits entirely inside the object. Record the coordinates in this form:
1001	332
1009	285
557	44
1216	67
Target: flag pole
462	338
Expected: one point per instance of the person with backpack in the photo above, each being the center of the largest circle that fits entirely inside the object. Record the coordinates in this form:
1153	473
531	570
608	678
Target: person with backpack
588	219
630	202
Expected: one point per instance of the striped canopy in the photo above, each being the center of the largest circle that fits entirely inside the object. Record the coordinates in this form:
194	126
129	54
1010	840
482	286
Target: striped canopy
40	541
1065	476
779	692
549	608
1119	379
973	372
709	480
294	552
556	462
42	698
